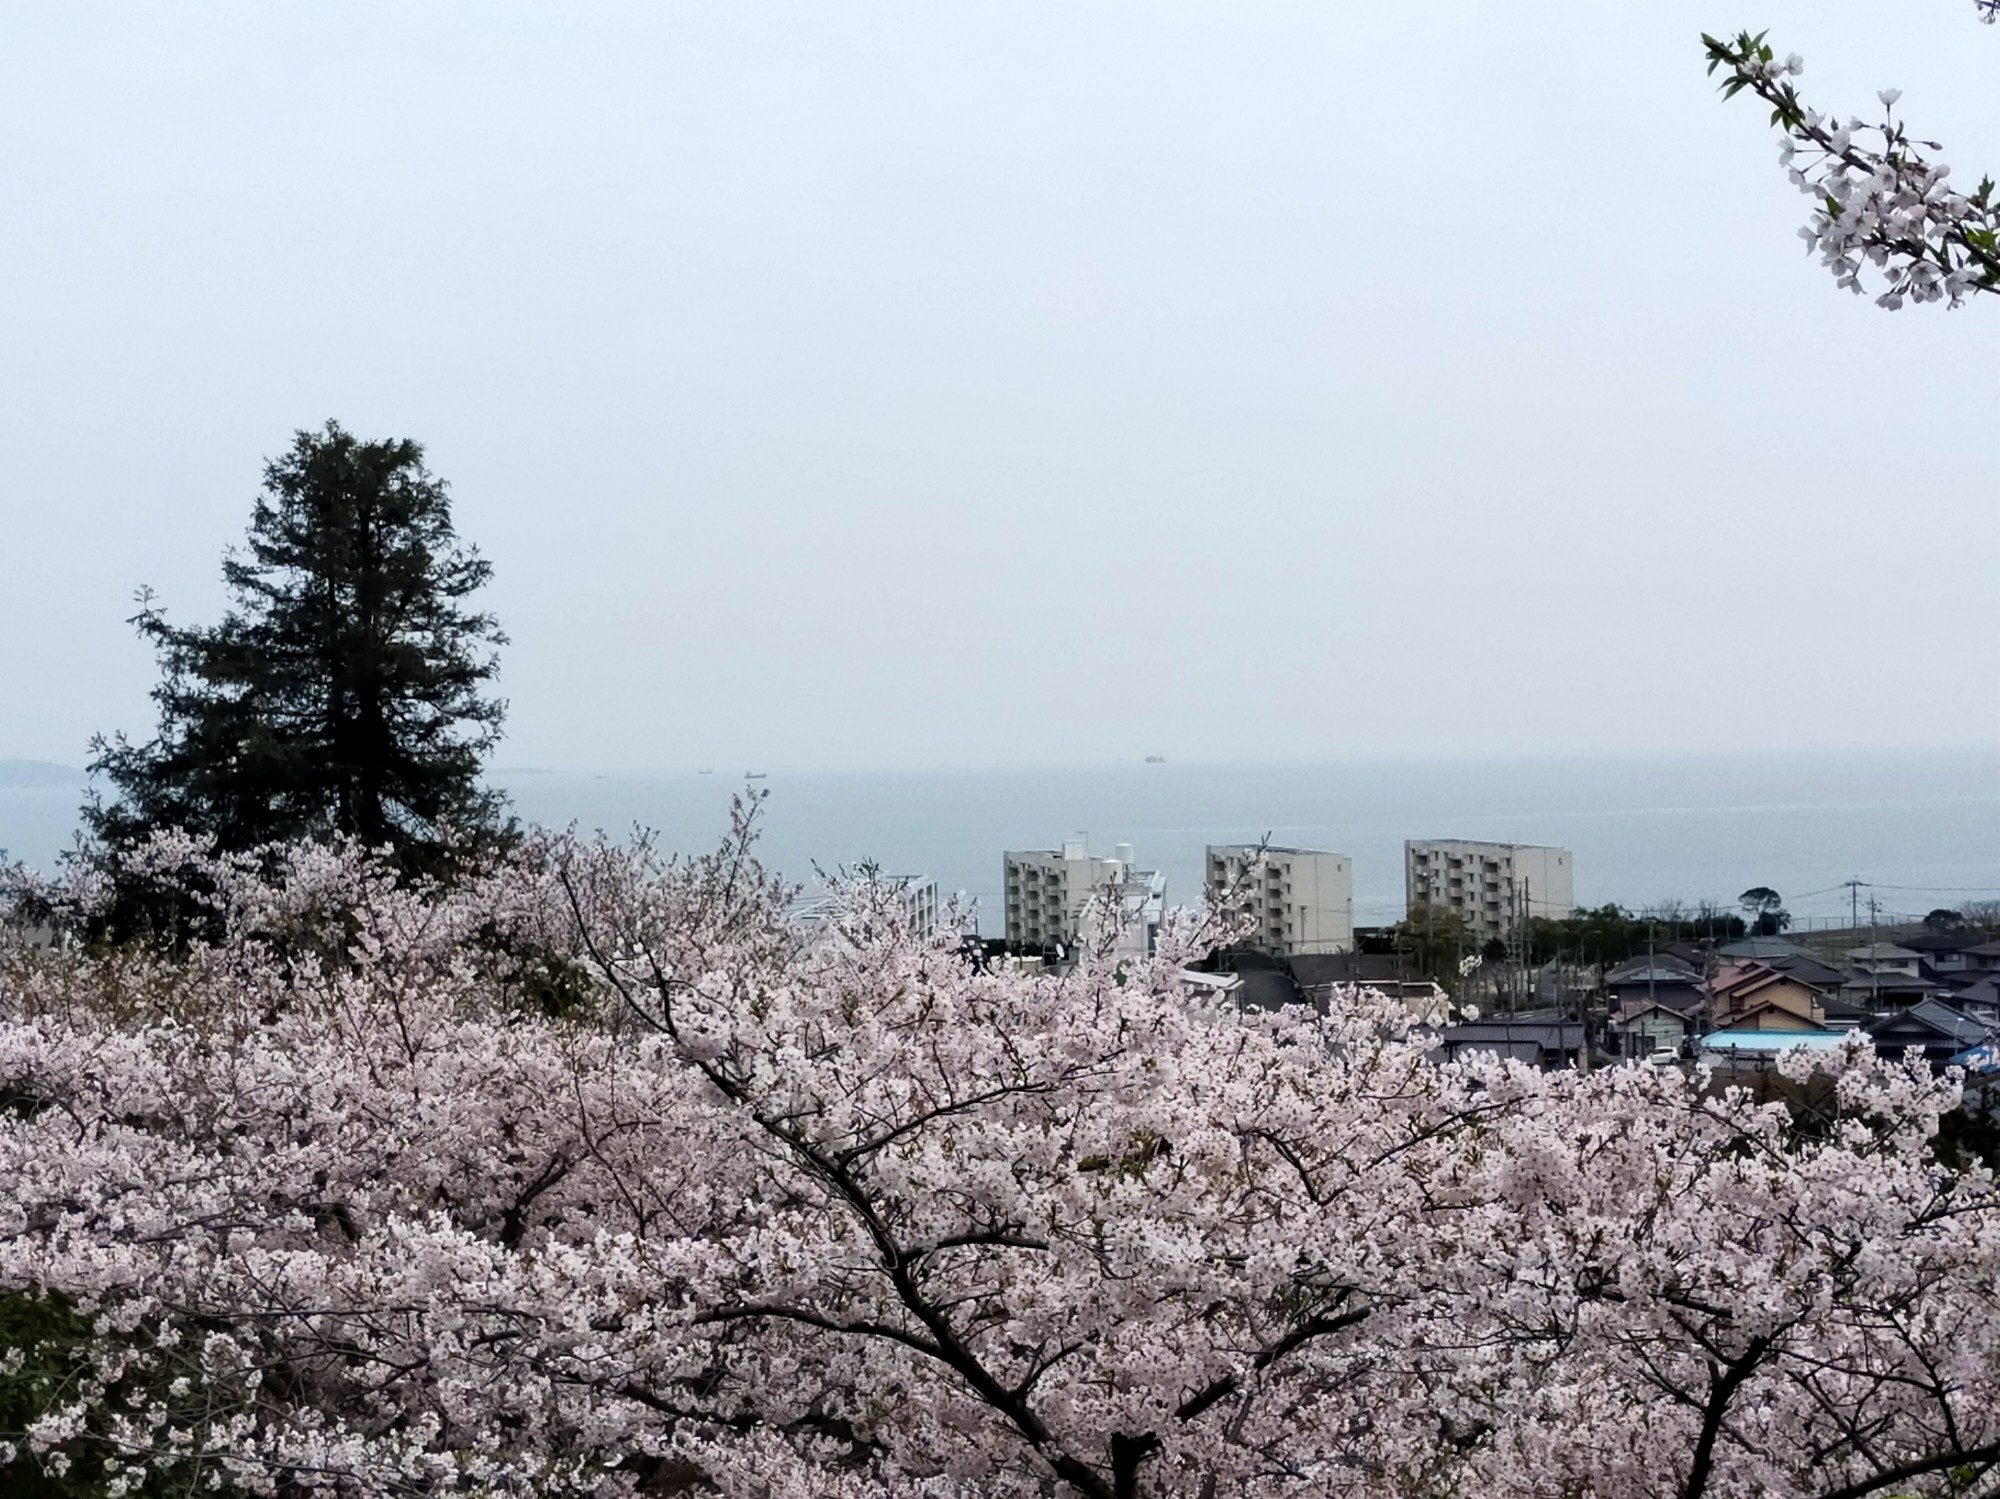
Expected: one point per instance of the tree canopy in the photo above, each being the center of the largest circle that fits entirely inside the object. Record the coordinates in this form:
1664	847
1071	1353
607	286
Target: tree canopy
344	694
826	1213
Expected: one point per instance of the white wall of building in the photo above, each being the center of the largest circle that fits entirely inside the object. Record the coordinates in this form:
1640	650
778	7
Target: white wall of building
1302	898
1048	895
1492	886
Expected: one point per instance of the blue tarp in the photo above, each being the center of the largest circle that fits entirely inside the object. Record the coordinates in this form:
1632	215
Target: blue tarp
1773	1041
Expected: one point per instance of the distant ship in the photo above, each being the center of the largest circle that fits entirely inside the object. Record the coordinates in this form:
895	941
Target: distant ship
754	775
1156	759
704	772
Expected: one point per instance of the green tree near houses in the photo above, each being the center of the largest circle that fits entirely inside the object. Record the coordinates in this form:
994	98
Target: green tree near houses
1766	910
347	691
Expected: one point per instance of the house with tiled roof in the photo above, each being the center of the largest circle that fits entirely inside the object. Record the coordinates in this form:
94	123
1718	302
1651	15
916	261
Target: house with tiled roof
1888	989
1752	996
1934	1027
1643	1029
1945	953
1658	979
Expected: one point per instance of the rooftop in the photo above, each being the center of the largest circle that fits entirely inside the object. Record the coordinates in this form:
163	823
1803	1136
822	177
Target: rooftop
1958	941
1772	1041
1936	1016
1659	969
1762	947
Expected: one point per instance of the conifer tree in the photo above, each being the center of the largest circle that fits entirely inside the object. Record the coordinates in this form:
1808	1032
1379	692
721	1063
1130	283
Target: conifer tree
344	693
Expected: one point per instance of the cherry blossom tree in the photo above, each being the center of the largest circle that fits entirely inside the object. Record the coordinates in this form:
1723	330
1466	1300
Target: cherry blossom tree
1880	198
336	1203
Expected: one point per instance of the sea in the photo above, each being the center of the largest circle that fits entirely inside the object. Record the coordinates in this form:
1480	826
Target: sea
1920	828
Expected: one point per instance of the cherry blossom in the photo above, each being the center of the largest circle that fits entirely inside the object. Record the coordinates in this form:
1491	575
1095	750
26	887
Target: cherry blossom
1879	200
593	1174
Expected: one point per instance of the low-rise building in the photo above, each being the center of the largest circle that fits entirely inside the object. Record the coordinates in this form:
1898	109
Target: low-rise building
1887	988
1322	977
1738	1056
1752	997
1494	888
1049	895
1302	899
1940	1031
1547	1044
1643	1029
1655	980
1945	953
1886	958
1980	1000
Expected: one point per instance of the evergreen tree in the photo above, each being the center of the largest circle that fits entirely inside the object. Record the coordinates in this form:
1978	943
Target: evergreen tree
343	693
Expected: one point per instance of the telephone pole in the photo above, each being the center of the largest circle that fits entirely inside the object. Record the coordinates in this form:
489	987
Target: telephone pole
1874	958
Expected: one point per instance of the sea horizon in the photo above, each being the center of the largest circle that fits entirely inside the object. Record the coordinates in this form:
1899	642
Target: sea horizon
1922	827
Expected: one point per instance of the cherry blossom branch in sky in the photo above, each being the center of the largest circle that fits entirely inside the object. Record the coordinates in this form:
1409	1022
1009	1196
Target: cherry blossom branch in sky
1880	200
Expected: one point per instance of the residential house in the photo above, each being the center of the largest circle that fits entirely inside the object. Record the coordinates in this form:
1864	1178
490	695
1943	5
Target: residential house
1319	975
1809	970
1643	1029
1946	953
1754	997
1251	986
1939	1030
1654	980
1736	1055
1761	949
1980	999
1888	988
1842	1016
1547	1044
1886	958
1655	1002
1785	957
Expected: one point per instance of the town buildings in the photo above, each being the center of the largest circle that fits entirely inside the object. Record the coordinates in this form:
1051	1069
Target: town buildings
1494	888
1654	1003
1049	896
915	896
1539	1043
1754	997
1301	898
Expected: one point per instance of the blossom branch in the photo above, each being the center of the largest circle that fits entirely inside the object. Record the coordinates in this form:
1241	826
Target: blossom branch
1878	200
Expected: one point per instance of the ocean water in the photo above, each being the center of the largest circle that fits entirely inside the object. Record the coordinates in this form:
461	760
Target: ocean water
1922	827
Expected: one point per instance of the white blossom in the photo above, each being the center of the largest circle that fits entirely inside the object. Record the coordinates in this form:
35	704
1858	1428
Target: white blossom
1876	195
344	1202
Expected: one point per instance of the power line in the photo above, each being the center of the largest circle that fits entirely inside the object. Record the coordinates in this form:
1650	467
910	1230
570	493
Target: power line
1938	889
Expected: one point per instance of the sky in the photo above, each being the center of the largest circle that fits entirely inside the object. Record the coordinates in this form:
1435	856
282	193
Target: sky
878	386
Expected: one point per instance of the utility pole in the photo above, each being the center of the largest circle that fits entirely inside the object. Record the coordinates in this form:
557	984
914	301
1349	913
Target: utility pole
1430	933
1874	958
1527	954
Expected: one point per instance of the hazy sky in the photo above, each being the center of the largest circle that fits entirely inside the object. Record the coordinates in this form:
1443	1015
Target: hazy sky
877	385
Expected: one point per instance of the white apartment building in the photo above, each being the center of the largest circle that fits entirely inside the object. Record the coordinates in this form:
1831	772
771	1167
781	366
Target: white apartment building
1493	887
915	894
1302	898
1049	893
